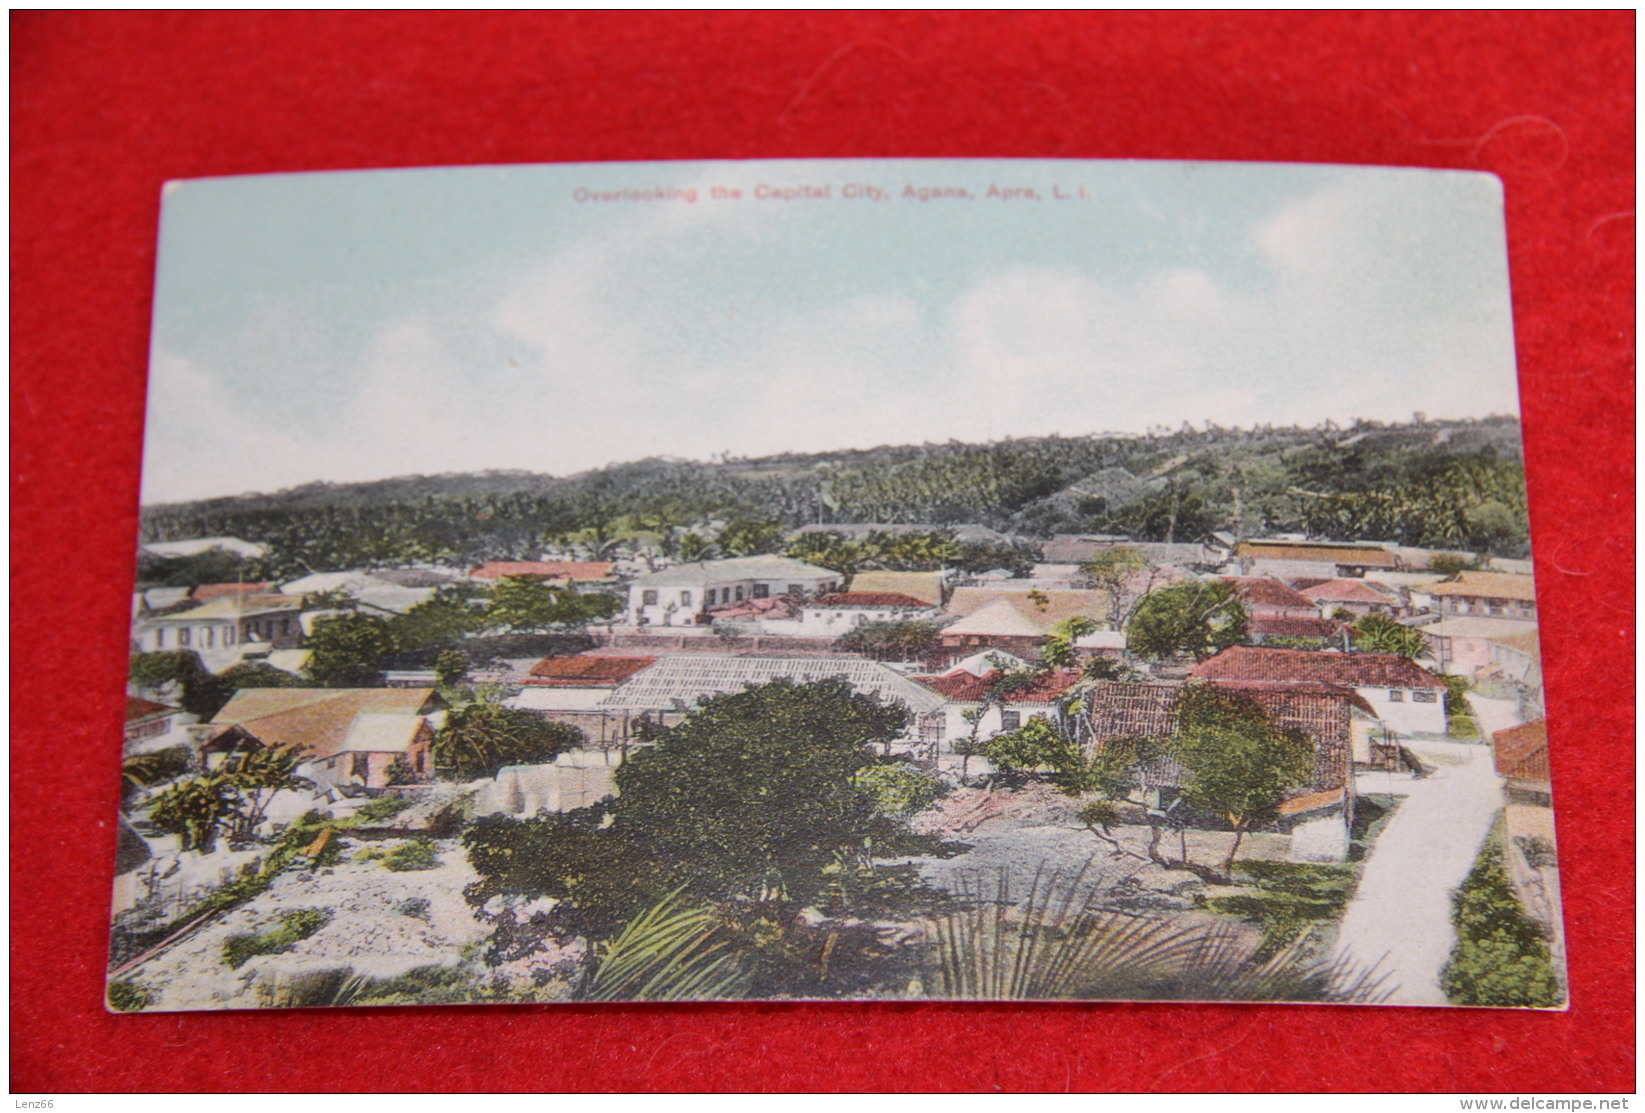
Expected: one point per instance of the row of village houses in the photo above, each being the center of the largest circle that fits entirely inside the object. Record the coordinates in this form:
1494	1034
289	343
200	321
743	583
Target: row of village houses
695	630
1355	708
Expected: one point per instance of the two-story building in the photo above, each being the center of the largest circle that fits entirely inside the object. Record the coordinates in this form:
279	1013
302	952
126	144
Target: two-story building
687	594
222	630
1485	595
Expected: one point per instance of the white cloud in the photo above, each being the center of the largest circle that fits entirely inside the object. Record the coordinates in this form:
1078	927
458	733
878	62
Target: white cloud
668	334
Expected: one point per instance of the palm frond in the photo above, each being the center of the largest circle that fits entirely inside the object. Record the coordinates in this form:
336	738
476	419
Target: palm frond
667	953
1056	942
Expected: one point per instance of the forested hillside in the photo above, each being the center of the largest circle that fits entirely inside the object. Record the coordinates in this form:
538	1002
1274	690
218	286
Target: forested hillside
1437	484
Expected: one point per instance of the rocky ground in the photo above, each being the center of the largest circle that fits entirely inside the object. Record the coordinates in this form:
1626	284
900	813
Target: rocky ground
1017	834
382	925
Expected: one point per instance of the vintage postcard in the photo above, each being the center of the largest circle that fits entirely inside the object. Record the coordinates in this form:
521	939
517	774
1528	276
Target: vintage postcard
875	580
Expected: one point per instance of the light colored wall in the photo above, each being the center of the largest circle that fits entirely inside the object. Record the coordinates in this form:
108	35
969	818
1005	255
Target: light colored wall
658	614
1407	716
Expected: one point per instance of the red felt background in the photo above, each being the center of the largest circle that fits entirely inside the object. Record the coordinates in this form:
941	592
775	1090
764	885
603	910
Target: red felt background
107	107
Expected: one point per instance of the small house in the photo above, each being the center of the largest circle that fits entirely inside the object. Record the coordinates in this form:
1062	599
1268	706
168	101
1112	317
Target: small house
1401	693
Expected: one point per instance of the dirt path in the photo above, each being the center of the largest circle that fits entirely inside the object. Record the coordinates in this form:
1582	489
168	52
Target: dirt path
1401	913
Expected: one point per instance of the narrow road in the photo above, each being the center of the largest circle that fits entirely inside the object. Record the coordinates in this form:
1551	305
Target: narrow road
1401	913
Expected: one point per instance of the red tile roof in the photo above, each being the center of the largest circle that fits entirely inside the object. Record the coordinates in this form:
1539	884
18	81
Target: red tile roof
1293	627
1264	592
1348	591
1357	670
204	593
963	687
1138	709
870	599
1522	752
774	606
586	672
575	570
145	709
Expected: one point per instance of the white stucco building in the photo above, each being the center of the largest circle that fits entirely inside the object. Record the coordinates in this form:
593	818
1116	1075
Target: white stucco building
687	594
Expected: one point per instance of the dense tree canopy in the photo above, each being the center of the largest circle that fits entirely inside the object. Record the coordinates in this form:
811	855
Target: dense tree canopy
1196	618
1236	764
1463	491
346	650
482	737
525	605
754	795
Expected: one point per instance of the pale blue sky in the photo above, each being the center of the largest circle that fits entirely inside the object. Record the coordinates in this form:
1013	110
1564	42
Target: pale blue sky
358	326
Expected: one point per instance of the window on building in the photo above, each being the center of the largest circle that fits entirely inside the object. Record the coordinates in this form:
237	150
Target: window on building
762	591
1396	695
685	599
285	626
421	755
1010	720
228	636
183	635
1425	695
739	594
795	589
649	598
160	638
361	766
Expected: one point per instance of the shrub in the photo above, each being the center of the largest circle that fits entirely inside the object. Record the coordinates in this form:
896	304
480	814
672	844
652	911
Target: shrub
1501	957
383	807
407	856
368	854
128	997
415	907
294	927
899	790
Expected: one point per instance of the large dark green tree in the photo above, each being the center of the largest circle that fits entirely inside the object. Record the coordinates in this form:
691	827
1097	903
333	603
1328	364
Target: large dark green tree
481	738
180	670
1196	618
524	605
754	796
1234	765
347	651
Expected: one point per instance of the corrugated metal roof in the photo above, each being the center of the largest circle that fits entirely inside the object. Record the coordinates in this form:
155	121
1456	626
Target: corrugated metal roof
676	683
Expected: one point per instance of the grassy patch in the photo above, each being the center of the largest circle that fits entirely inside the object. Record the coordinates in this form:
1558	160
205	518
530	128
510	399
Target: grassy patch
128	997
1285	898
1371	815
417	855
383	807
294	927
